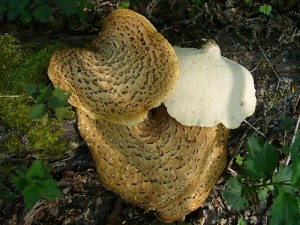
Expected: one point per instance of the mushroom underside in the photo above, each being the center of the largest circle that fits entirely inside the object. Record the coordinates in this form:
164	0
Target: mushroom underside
211	89
157	164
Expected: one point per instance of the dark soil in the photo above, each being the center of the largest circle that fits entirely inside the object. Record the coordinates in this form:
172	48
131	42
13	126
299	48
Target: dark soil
269	46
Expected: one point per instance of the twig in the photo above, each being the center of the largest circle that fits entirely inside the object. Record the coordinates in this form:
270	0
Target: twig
293	139
297	102
255	67
10	96
262	51
232	172
296	129
256	129
189	42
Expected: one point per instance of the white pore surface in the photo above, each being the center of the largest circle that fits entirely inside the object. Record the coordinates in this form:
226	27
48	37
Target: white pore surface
211	89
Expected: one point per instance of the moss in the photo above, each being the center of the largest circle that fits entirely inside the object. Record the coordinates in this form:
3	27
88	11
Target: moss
23	64
8	166
45	139
14	112
12	143
19	65
11	54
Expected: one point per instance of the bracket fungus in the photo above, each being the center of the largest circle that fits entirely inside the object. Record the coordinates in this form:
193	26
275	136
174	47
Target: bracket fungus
116	80
157	164
211	89
142	153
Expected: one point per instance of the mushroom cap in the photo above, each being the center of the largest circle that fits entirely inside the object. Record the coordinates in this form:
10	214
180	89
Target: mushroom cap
211	89
157	164
130	69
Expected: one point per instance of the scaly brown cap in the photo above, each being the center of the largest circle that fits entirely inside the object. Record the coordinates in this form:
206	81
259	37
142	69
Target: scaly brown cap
131	69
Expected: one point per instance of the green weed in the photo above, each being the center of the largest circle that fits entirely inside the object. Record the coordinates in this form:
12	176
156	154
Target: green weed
35	183
48	102
265	9
263	175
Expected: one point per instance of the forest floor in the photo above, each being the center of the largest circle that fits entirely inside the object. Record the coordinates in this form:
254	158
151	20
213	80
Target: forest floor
267	45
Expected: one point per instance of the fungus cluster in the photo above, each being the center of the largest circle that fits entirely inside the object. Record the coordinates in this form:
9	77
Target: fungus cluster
143	154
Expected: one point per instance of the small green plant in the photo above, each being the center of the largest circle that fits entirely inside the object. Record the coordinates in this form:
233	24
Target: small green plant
265	9
124	4
73	7
128	3
40	10
262	175
241	221
36	183
48	101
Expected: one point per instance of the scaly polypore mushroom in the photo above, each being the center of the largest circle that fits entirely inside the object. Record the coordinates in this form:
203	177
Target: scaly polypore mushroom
157	164
211	89
131	69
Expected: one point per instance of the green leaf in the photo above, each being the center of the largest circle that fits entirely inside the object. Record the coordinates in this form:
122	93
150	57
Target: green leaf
241	221
265	9
20	181
286	122
50	189
261	160
285	209
282	179
296	173
68	7
32	194
58	99
286	150
12	15
45	93
61	112
233	194
21	172
36	183
38	110
82	4
295	147
239	159
124	5
294	151
37	171
264	193
31	89
90	5
42	13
